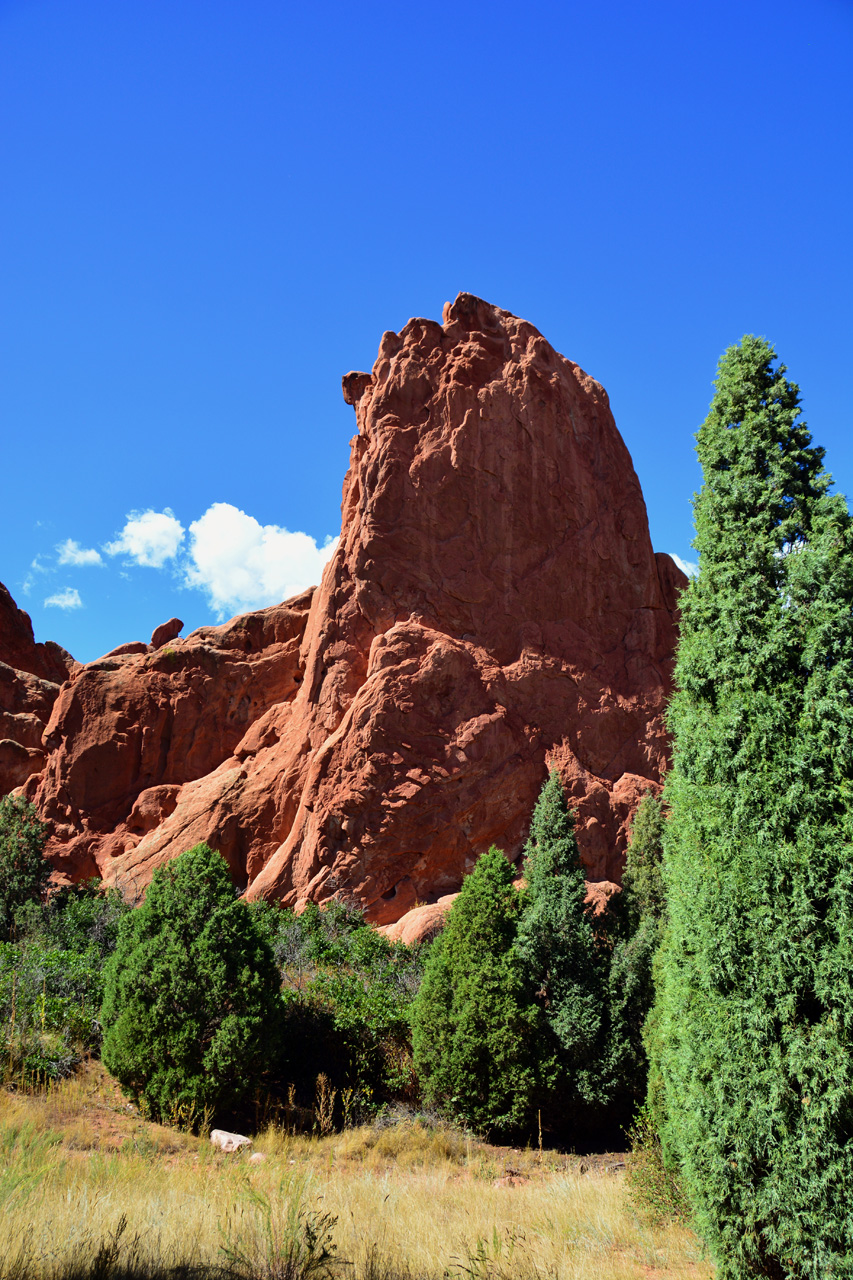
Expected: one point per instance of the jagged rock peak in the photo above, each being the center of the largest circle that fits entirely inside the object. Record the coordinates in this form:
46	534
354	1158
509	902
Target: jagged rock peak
493	605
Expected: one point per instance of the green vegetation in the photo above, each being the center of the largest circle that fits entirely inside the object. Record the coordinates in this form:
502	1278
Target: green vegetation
476	1032
637	932
565	966
347	994
531	1012
192	1011
51	980
23	871
751	1032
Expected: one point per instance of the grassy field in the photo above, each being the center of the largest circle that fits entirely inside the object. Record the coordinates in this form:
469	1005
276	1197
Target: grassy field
91	1191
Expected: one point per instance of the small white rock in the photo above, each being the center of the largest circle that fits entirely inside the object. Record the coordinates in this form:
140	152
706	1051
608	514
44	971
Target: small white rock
257	1157
229	1142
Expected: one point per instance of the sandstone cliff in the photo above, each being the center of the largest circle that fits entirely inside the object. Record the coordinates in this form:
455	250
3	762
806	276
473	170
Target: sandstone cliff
494	603
30	677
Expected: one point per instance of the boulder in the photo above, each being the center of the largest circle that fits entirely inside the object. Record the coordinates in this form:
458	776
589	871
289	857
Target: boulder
166	632
494	607
131	646
229	1142
421	923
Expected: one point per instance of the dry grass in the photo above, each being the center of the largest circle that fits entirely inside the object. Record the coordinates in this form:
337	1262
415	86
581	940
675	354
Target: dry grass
412	1201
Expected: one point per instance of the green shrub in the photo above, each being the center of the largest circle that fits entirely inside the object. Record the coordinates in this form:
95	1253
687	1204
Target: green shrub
347	995
654	1187
477	1036
191	1010
80	918
23	871
752	1029
49	1003
51	978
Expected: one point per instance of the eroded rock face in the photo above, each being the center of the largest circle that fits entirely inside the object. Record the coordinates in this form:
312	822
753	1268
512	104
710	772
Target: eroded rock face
130	730
494	604
30	677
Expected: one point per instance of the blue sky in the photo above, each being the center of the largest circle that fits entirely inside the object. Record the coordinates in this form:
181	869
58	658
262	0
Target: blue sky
210	211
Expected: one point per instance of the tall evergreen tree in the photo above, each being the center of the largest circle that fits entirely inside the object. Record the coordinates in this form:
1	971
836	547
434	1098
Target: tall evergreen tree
474	1027
631	981
754	1014
556	942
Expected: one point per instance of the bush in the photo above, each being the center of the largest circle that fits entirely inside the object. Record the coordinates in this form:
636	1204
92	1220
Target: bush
49	1001
23	871
51	978
654	1186
347	995
80	918
191	1010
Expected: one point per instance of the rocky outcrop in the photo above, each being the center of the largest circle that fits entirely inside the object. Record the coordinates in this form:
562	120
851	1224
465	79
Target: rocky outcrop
165	632
30	677
493	604
425	921
130	730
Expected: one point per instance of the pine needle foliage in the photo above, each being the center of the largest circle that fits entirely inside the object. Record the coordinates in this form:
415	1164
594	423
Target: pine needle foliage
642	880
191	1010
631	980
557	945
474	1027
751	1034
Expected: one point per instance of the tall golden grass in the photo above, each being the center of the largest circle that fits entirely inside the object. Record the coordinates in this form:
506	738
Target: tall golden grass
89	1189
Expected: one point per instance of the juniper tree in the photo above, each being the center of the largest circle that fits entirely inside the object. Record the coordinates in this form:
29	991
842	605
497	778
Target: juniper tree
564	966
191	1006
631	984
474	1027
753	1019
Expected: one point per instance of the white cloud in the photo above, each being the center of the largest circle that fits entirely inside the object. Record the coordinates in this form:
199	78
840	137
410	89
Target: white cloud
149	538
243	565
36	566
686	566
70	552
67	599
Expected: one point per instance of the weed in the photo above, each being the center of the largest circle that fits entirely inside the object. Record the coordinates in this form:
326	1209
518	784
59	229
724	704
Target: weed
324	1106
281	1238
654	1187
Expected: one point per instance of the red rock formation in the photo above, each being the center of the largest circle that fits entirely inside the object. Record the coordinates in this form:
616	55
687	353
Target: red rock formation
424	922
129	730
494	603
30	676
19	650
165	632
